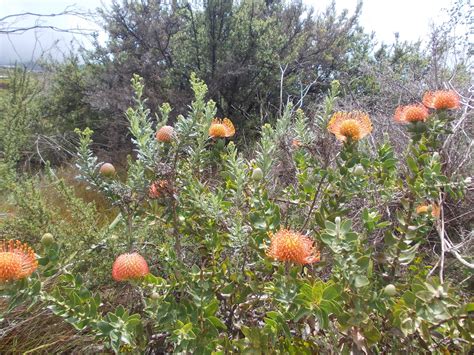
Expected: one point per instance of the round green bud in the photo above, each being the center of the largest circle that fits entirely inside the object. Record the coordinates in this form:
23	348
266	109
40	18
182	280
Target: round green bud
359	170
155	296
257	174
47	239
390	290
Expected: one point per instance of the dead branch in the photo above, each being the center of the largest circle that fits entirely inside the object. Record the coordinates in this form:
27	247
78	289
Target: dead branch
8	22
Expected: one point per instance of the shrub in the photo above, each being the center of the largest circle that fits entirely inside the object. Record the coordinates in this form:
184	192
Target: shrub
19	114
321	252
243	50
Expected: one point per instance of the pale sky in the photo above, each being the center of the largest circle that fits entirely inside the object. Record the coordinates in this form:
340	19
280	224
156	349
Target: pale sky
411	18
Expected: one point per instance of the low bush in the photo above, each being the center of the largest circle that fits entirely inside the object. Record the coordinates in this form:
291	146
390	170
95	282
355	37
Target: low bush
294	249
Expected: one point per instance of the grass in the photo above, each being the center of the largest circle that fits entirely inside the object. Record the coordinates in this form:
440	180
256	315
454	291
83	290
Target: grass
37	330
4	80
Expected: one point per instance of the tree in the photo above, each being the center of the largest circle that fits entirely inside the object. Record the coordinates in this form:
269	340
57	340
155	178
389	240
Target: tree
239	48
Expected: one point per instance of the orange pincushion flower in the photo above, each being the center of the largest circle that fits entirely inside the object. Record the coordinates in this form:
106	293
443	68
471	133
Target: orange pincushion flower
157	188
221	128
424	208
129	266
411	113
165	134
354	125
287	245
296	143
441	100
17	260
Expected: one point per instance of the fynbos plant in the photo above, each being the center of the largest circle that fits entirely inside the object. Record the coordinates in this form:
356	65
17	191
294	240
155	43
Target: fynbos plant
295	249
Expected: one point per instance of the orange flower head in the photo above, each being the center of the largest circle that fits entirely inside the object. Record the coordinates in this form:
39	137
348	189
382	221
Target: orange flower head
17	260
287	245
296	143
165	134
353	125
424	208
129	266
221	128
441	100
157	188
411	113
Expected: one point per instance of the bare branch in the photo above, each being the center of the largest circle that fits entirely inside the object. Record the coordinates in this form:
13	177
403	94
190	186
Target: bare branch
8	27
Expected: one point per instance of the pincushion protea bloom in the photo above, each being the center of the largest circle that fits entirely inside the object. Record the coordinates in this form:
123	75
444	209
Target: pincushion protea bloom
157	188
17	260
165	134
287	245
129	266
441	100
296	143
353	125
221	128
424	208
411	113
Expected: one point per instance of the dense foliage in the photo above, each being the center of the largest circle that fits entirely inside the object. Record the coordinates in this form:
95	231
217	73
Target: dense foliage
240	48
291	250
263	208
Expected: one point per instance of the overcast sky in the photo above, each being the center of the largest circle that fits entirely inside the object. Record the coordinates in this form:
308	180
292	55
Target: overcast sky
410	18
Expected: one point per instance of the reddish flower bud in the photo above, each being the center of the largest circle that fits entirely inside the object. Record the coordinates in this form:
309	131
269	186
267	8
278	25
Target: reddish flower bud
129	266
165	134
107	170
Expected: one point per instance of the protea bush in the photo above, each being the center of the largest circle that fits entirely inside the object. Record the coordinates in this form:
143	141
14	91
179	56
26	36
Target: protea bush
292	248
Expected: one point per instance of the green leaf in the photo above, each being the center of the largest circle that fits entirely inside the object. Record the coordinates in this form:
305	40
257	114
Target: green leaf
272	314
469	307
409	298
133	323
346	226
212	308
412	165
302	313
330	293
425	296
217	322
361	281
383	224
327	239
371	334
363	262
104	327
119	312
317	292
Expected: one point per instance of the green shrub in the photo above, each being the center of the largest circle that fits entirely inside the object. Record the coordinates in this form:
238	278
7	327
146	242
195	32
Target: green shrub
19	112
296	262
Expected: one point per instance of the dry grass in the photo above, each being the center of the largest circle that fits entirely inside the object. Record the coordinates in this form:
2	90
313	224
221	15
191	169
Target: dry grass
106	212
39	331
